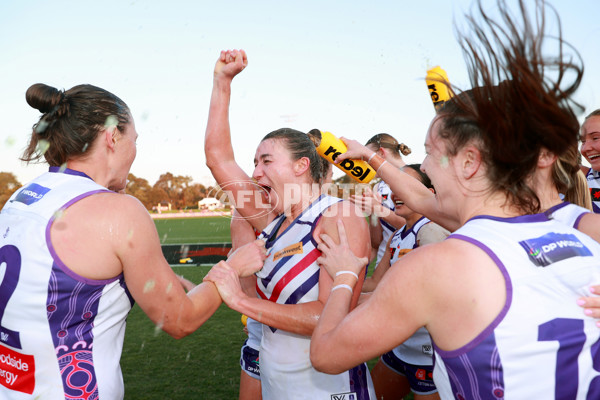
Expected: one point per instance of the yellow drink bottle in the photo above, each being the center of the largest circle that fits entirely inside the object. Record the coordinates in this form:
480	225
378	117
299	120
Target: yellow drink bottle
330	147
437	83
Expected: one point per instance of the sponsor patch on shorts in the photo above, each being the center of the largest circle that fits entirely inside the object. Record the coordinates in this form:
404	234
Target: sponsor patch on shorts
250	361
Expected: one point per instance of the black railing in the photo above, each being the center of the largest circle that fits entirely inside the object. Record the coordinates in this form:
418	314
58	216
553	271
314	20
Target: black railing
195	254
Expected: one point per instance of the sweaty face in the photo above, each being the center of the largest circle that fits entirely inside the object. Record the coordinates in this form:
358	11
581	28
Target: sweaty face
590	141
273	171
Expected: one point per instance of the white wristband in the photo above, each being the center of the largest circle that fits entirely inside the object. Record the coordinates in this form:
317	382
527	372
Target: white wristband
382	164
342	286
372	155
346	272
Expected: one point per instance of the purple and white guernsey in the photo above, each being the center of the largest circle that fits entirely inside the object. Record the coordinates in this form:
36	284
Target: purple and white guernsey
290	275
593	180
567	213
385	193
416	349
61	335
541	345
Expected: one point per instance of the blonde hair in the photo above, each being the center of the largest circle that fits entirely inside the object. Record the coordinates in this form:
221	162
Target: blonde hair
389	142
574	186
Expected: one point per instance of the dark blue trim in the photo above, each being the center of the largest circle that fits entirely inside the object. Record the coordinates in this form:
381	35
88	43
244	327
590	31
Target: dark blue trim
542	217
68	171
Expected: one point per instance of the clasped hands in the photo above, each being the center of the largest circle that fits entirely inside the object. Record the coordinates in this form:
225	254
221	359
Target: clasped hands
243	262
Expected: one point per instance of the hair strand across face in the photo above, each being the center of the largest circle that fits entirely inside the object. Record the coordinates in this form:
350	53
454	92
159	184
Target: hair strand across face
521	99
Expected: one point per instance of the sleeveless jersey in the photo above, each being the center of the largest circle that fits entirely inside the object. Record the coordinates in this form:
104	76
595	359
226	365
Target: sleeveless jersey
417	349
386	229
541	345
254	333
249	354
290	275
593	180
254	327
61	335
567	213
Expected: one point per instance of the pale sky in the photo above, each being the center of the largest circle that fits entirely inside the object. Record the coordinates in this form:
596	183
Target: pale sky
352	68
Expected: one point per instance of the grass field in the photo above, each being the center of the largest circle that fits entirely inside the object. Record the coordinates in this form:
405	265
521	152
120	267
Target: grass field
204	365
193	230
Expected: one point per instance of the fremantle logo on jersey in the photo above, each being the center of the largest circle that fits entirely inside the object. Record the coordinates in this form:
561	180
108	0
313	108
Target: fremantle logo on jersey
31	194
554	247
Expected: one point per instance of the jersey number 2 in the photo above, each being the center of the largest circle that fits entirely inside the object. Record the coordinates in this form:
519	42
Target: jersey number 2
11	258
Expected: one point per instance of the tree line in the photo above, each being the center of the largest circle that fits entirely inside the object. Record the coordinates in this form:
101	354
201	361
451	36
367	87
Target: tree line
179	191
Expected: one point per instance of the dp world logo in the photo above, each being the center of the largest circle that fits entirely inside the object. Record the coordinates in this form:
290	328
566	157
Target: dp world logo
245	194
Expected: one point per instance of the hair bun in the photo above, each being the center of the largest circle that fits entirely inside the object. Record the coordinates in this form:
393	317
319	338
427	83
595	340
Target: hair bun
315	136
404	149
43	97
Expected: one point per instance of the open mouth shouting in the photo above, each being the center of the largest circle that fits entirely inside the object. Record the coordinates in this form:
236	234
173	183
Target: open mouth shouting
267	189
265	192
397	201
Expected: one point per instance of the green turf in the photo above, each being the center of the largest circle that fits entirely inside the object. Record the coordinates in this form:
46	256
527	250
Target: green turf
193	230
204	365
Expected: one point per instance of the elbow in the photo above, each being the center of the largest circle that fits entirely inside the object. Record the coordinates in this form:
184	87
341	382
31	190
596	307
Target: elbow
178	333
323	361
316	357
218	162
178	330
211	160
185	331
